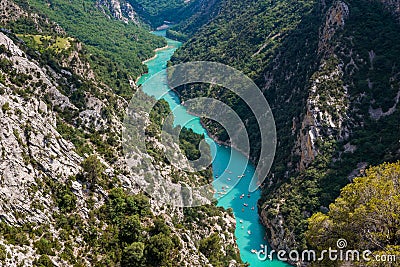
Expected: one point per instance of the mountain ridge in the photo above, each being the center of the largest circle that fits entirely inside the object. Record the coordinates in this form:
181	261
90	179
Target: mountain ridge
316	64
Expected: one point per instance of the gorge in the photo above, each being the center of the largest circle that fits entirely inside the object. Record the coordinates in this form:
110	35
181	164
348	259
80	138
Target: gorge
329	69
249	233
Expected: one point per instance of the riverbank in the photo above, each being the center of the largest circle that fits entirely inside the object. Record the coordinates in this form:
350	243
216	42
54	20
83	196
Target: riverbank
152	58
232	171
155	56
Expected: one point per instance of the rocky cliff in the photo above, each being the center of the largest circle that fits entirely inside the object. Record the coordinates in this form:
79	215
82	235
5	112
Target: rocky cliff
120	10
335	119
333	94
66	194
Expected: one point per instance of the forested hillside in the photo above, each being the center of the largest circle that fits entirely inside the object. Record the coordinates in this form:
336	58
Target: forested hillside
156	13
329	70
112	45
200	13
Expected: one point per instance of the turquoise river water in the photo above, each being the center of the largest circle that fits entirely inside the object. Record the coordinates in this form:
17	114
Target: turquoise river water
249	232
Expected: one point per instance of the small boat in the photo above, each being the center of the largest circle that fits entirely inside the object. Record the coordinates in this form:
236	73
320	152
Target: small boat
248	195
227	187
245	204
229	179
242	227
252	208
249	232
253	251
241	221
242	196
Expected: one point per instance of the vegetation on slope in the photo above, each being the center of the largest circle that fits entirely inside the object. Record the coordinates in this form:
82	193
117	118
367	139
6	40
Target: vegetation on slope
375	140
188	142
115	49
366	215
88	218
276	44
201	12
157	12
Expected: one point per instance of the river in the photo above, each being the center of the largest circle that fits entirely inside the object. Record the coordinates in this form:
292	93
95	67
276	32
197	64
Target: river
249	231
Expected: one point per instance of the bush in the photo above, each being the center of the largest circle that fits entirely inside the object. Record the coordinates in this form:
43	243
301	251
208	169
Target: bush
44	246
133	255
93	169
43	261
3	253
5	107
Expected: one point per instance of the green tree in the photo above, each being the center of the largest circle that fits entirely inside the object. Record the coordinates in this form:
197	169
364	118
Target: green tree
130	230
5	107
133	255
44	246
93	169
44	261
66	200
211	248
159	250
3	253
367	215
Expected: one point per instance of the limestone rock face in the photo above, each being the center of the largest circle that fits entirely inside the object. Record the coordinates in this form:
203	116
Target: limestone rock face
31	147
335	19
46	135
335	112
9	11
120	10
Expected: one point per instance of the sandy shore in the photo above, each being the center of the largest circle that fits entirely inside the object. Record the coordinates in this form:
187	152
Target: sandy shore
155	50
147	60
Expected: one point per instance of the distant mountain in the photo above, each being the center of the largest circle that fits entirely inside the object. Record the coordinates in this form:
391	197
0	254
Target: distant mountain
157	13
330	71
198	14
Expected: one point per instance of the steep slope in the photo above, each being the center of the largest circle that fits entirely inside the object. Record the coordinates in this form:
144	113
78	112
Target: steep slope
198	14
120	10
156	13
66	195
329	70
114	44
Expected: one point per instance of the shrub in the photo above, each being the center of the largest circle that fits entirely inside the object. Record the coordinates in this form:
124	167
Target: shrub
3	253
5	107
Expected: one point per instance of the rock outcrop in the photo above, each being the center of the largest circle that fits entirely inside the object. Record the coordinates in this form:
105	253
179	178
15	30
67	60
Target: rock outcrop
334	19
47	133
120	10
